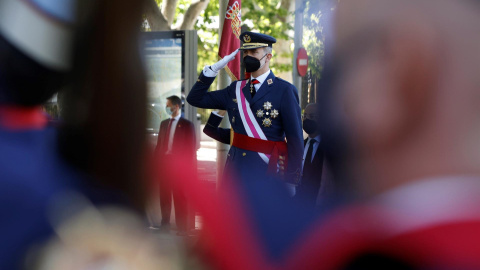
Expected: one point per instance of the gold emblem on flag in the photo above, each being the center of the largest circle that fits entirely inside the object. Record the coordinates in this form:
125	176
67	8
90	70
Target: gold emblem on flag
247	38
234	14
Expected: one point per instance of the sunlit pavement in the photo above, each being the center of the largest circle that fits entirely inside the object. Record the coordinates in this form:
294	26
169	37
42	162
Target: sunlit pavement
180	249
207	162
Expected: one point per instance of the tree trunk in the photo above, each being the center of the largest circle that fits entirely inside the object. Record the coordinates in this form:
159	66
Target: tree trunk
155	18
191	16
168	10
283	53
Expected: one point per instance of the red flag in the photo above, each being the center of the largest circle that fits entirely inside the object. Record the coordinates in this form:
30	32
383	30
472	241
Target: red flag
230	41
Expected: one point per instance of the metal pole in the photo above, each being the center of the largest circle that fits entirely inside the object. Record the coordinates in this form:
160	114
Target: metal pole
223	81
297	40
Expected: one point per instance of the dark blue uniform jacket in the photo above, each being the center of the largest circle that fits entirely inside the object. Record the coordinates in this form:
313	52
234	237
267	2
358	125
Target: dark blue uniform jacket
283	96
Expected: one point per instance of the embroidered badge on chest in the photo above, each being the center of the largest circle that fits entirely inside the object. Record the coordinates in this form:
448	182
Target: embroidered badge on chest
268	112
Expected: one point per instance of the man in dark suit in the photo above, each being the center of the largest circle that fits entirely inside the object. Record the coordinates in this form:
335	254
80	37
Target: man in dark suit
314	184
175	150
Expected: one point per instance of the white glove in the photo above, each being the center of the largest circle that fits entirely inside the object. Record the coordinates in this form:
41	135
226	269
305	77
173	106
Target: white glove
212	71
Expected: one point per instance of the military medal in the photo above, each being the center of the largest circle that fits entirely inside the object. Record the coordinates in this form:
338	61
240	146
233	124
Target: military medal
260	113
269	114
274	113
267	105
267	122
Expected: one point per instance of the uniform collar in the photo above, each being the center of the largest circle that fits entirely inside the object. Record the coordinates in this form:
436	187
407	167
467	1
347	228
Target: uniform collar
262	77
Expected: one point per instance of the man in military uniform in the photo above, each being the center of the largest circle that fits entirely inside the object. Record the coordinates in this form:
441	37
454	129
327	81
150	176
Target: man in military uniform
263	112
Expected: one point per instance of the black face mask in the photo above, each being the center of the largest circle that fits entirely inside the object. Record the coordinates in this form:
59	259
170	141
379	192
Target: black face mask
252	64
309	126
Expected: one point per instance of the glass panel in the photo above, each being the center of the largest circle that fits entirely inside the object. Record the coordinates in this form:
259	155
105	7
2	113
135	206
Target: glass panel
163	59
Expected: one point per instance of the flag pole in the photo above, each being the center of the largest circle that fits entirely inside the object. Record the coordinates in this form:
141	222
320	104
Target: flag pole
223	80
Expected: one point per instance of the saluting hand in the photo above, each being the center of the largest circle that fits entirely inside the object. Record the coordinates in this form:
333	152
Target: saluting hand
222	63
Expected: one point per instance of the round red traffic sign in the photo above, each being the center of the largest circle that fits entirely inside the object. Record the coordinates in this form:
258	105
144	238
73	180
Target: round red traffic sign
302	62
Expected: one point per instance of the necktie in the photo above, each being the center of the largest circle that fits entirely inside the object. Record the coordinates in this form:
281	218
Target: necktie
252	90
308	157
167	136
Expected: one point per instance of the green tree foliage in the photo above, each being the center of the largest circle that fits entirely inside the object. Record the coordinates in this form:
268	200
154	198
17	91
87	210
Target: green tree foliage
317	13
265	16
208	39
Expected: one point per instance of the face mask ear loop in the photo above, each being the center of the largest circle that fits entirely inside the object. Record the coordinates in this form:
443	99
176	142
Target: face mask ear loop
263	62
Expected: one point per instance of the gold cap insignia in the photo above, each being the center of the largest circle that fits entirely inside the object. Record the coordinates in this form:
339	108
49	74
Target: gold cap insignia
247	38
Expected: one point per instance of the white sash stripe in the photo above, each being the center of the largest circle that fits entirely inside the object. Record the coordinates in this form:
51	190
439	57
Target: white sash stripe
250	116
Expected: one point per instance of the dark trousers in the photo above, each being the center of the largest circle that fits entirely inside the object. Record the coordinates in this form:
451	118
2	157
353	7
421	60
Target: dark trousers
168	184
308	190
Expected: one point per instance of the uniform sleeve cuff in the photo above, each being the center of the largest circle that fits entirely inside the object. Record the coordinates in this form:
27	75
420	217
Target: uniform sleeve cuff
214	120
216	113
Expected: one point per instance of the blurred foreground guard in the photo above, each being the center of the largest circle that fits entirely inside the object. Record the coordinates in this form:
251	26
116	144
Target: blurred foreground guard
53	184
33	66
263	112
405	100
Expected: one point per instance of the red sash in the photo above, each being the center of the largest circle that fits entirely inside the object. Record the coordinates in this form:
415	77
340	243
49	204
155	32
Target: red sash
277	150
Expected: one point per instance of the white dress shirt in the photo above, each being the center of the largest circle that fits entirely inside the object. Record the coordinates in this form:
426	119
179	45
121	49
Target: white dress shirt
261	79
172	133
315	147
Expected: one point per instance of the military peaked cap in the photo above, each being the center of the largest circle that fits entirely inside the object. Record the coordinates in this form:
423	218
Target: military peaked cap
253	40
